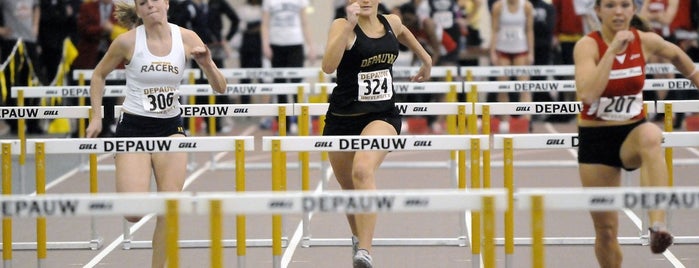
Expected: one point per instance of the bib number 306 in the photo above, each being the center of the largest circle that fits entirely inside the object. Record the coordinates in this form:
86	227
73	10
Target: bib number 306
159	102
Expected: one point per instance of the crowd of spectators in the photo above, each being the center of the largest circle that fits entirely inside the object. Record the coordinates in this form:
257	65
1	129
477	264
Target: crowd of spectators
449	29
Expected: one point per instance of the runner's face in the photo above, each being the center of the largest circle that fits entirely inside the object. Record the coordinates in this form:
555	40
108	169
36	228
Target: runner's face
616	14
152	10
366	7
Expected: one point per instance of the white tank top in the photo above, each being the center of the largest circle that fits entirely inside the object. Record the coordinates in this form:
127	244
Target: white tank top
512	37
153	82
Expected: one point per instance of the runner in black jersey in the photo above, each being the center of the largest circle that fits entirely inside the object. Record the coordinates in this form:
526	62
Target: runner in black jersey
362	49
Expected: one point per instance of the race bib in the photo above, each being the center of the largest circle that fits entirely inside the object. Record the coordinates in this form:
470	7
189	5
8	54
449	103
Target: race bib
375	86
618	108
159	100
511	34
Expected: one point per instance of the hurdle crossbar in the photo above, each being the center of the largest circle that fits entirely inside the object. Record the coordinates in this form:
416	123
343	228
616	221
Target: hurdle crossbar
549	70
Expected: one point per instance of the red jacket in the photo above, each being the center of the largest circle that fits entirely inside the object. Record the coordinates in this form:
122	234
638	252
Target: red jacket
90	34
567	22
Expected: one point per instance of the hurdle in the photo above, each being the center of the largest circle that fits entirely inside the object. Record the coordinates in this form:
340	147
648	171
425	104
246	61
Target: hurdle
233	110
22	113
191	90
299	89
126	145
281	145
547	108
450	89
185	90
595	199
170	144
404	108
470	72
508	143
217	203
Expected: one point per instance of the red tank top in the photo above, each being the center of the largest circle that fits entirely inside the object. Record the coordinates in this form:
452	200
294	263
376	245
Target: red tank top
622	98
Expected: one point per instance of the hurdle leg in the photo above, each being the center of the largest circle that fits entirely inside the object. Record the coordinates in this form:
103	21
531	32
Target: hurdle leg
96	240
642	232
22	180
6	191
306	239
126	244
537	210
172	230
216	230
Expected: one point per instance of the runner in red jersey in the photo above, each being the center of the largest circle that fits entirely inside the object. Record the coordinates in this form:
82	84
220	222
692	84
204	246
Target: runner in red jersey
613	132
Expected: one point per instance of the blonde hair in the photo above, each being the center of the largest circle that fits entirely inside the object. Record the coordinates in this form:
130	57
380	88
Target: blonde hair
126	15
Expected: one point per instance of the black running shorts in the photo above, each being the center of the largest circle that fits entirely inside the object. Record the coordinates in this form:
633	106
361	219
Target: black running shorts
602	145
336	125
134	126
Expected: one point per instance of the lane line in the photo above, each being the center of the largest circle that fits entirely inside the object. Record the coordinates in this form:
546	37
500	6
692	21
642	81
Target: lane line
298	233
69	174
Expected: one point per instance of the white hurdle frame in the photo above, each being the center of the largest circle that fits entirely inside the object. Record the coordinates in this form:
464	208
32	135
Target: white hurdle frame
409	142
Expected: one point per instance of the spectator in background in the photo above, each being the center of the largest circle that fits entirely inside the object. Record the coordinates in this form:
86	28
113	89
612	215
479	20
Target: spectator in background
544	19
285	35
425	32
181	13
97	27
251	43
684	31
58	21
215	11
447	19
205	17
568	29
20	21
586	10
472	12
427	36
512	43
660	13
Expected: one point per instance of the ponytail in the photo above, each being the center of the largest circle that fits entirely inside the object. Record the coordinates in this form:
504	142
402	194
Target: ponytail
126	15
640	23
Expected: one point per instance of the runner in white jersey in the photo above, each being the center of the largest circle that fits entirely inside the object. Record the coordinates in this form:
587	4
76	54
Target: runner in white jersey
155	53
153	82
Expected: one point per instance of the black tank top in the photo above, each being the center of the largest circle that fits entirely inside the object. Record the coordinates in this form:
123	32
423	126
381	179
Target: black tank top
365	74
